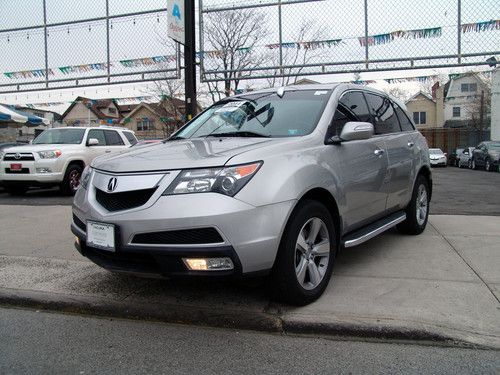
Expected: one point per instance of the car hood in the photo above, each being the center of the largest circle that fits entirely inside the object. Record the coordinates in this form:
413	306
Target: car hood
37	148
180	154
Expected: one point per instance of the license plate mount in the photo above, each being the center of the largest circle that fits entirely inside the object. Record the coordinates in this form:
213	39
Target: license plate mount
101	235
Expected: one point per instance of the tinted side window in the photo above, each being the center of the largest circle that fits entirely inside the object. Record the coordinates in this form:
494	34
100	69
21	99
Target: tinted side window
352	107
113	138
384	117
131	137
404	121
99	135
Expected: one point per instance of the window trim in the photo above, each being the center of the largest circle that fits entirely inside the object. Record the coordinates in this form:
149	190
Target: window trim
88	137
459	111
117	133
374	127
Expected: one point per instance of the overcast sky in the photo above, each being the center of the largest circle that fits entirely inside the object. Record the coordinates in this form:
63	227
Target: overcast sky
146	36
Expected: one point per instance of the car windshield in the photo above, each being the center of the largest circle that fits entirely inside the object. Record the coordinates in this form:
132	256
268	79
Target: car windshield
435	151
495	146
60	137
260	115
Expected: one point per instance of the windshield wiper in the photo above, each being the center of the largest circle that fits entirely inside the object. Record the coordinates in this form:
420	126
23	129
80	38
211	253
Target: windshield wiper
239	134
173	138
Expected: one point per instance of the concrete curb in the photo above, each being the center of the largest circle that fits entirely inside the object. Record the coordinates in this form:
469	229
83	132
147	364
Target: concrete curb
236	319
169	313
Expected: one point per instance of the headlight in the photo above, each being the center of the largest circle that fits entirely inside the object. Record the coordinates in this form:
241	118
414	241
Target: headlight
53	154
223	180
84	180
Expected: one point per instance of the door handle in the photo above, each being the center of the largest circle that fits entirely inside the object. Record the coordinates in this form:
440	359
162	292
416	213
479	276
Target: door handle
411	144
107	151
379	152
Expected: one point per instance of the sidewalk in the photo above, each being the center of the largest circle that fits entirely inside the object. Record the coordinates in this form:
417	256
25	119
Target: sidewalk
442	285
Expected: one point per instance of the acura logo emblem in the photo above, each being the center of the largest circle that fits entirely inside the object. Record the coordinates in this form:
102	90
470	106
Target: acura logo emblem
112	184
17	156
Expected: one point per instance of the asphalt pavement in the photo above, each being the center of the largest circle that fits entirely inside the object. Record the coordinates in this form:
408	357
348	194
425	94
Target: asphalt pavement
441	286
48	343
456	192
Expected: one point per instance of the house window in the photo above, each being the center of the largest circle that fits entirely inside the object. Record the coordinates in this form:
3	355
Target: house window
456	111
420	118
145	125
468	87
112	110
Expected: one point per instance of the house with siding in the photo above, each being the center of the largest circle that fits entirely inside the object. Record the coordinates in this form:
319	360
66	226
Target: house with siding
91	112
462	96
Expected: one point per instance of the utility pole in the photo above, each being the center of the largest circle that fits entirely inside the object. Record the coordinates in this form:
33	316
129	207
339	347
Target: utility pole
481	117
189	60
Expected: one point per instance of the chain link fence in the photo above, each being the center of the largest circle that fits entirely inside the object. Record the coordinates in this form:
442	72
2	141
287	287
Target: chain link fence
282	40
62	44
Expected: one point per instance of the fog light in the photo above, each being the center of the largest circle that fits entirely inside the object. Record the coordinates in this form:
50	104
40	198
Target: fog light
209	264
43	170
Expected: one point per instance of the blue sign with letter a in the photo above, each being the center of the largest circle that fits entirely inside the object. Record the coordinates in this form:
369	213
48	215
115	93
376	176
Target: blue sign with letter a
176	12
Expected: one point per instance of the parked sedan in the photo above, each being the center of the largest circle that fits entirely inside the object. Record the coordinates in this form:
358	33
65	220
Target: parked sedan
464	158
437	157
486	155
453	159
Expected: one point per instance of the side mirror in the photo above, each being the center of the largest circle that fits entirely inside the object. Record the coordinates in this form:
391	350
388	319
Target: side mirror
93	142
355	131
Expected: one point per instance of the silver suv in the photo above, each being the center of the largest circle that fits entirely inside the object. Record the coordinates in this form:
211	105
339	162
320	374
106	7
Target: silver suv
274	181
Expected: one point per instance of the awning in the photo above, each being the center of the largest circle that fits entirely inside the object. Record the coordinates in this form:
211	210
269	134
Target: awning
10	114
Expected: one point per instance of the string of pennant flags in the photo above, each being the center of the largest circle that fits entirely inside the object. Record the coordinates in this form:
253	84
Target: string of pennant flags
372	40
86	68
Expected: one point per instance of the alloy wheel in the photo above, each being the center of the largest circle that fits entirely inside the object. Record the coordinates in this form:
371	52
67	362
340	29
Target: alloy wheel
312	253
74	180
422	205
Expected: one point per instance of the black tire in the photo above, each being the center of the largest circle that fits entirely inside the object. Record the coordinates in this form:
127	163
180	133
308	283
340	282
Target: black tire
411	225
69	185
286	285
16	190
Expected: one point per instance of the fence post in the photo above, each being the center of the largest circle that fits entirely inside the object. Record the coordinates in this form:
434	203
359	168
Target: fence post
459	31
108	62
45	43
280	26
366	34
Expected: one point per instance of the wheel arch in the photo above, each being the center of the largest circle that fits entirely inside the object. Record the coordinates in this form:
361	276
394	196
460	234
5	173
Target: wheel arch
425	171
326	198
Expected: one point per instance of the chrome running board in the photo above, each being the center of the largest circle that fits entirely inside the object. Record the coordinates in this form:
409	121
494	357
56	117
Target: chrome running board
374	229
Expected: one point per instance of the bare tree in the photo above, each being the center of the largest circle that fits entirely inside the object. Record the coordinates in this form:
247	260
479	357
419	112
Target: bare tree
478	109
398	92
301	54
231	37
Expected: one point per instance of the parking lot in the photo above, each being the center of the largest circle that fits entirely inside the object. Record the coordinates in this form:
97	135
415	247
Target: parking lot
456	192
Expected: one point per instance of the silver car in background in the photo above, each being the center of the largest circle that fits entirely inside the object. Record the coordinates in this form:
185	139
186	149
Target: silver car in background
465	157
437	157
273	181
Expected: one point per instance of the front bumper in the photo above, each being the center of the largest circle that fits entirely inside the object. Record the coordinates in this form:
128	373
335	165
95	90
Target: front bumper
438	162
29	176
250	234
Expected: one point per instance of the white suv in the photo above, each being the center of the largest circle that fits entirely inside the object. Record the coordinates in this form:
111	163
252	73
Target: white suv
58	157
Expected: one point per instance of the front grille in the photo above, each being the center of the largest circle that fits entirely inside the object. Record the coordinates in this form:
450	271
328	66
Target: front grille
123	201
179	237
22	157
18	171
80	224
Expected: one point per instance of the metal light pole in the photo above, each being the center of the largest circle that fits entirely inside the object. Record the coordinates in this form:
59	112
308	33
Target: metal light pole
189	59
